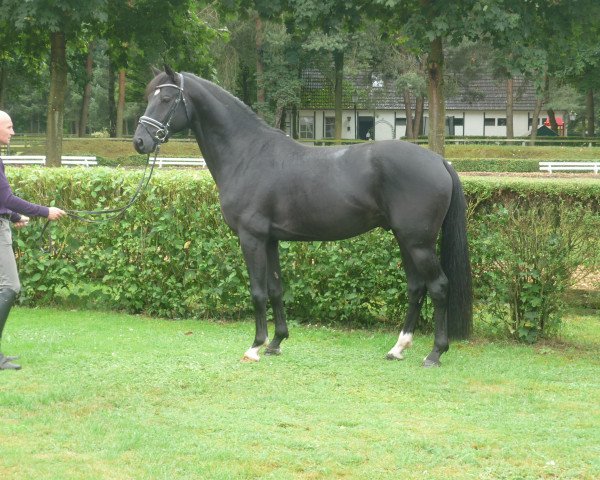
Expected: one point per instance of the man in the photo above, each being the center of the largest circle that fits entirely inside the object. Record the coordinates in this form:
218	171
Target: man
16	210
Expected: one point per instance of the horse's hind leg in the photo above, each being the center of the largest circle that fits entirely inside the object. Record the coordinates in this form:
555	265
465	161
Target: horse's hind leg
416	296
428	265
255	255
275	290
423	269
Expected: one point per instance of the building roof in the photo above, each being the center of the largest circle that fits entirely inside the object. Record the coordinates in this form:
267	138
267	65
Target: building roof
483	93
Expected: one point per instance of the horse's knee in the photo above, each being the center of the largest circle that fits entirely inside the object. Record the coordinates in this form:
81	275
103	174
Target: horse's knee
259	297
275	294
416	292
9	294
438	290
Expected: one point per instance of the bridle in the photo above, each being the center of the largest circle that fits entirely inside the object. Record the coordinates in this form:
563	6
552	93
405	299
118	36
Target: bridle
161	132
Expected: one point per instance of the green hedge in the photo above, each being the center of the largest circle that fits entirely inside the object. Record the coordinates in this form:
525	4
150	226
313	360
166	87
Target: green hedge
505	164
171	254
494	165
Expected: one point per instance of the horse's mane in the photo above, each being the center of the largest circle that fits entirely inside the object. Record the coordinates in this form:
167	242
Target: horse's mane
227	97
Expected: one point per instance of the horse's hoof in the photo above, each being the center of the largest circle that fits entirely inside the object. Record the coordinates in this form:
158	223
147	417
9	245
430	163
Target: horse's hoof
273	351
394	356
249	359
431	363
251	355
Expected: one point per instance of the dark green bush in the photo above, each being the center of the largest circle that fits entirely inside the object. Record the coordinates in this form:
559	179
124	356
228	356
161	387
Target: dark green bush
534	250
172	255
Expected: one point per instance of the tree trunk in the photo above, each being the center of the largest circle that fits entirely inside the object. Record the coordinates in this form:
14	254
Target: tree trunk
408	109
121	102
279	117
260	66
87	92
112	108
437	107
338	57
510	99
535	120
420	107
540	101
2	85
56	100
552	120
295	122
589	113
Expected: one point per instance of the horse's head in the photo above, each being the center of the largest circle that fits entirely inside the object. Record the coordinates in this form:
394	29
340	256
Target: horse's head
166	113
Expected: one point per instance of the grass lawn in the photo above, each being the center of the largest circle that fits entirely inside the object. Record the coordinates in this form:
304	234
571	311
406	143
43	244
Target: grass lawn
113	396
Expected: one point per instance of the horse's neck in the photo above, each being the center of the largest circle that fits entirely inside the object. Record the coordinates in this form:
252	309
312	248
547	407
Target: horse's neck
225	131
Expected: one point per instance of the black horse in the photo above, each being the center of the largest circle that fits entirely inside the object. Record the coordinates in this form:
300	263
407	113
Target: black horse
272	188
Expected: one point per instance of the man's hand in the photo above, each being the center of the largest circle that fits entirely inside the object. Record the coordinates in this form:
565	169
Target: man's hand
22	222
55	213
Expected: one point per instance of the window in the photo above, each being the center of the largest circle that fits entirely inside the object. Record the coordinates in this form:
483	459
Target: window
459	122
401	122
489	122
502	122
329	127
307	127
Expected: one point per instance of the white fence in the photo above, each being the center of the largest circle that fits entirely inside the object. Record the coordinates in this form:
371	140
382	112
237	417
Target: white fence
570	166
178	161
41	160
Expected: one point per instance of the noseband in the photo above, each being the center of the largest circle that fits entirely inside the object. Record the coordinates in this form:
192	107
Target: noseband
162	130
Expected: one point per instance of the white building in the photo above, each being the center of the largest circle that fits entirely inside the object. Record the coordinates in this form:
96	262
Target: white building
478	109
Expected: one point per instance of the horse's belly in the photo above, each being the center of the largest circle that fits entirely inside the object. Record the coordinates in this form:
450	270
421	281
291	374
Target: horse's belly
325	223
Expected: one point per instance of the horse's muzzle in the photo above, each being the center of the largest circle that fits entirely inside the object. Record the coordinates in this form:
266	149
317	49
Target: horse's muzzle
142	146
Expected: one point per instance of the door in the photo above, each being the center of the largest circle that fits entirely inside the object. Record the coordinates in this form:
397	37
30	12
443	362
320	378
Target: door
366	125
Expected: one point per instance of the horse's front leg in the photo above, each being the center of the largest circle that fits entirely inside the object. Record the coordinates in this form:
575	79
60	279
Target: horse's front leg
275	291
255	255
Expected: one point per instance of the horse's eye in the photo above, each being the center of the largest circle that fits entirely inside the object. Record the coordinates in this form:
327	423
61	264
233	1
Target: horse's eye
165	99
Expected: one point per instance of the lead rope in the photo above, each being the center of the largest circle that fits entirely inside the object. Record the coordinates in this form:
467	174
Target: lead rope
118	212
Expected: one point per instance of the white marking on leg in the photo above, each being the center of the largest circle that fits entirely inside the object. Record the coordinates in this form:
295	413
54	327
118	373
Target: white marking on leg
404	341
252	355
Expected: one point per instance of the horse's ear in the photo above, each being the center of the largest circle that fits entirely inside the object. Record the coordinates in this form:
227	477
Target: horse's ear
155	71
170	72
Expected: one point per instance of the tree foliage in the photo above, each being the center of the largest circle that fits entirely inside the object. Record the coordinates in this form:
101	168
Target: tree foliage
416	45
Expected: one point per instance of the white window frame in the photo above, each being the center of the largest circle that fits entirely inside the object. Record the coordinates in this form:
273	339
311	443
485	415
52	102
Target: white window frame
306	127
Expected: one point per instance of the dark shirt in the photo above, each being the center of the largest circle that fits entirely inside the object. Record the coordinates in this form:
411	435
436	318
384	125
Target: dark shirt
13	205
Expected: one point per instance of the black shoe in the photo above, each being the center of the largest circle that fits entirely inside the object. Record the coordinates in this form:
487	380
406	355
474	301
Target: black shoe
6	365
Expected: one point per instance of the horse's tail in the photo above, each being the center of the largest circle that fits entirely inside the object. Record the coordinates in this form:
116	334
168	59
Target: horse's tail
456	263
